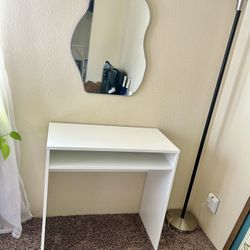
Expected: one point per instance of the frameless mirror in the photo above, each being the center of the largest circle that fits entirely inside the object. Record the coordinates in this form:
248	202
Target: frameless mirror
108	46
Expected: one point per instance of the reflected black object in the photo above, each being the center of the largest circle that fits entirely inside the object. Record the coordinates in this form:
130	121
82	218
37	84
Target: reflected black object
119	78
91	6
112	79
79	65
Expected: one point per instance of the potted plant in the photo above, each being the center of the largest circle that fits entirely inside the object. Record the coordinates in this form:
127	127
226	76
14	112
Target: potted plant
4	146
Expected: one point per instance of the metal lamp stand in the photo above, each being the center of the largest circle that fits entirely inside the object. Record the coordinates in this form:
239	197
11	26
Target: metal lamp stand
182	220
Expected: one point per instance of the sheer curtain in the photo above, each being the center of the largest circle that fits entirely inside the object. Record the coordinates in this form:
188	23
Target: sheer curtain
14	206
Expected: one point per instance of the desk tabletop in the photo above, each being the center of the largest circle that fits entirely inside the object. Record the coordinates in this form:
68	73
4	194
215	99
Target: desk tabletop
69	136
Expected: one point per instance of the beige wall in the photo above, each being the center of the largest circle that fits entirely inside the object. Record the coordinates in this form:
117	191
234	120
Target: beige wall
225	169
184	46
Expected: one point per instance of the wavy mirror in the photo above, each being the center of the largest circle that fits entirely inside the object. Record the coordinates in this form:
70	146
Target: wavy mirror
108	46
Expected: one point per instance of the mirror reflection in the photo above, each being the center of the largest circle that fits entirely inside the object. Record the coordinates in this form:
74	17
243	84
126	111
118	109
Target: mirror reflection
108	46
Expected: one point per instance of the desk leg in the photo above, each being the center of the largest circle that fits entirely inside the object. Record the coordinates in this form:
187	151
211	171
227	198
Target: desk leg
154	203
45	195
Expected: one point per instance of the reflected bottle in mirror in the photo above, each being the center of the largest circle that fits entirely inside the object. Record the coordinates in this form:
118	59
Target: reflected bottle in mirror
125	86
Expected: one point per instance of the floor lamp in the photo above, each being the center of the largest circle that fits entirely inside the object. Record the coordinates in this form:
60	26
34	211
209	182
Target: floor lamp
182	220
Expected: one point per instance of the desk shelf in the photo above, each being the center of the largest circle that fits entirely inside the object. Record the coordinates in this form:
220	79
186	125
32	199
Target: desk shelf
98	148
89	161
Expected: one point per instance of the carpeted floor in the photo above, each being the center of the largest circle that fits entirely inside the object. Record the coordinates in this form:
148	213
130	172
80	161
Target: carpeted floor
100	232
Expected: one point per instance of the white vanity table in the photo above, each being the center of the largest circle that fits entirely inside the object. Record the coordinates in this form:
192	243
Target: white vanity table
96	148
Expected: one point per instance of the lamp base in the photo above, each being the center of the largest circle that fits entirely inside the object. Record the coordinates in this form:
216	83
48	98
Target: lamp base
187	224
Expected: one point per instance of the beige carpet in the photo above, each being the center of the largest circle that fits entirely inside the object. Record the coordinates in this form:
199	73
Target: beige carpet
100	232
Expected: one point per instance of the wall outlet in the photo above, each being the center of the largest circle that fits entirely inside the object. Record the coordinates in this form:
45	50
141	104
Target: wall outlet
213	202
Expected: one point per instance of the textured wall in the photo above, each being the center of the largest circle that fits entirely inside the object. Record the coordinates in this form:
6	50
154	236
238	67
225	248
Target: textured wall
184	46
225	169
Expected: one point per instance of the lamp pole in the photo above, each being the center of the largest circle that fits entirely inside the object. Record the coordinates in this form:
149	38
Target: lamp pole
182	220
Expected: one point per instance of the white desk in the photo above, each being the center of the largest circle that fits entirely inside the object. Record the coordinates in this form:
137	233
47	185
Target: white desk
95	148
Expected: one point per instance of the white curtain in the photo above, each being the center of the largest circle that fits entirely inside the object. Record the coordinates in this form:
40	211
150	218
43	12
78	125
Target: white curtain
14	207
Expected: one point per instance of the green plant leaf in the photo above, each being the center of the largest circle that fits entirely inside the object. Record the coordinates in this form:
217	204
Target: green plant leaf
2	141
5	150
15	135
